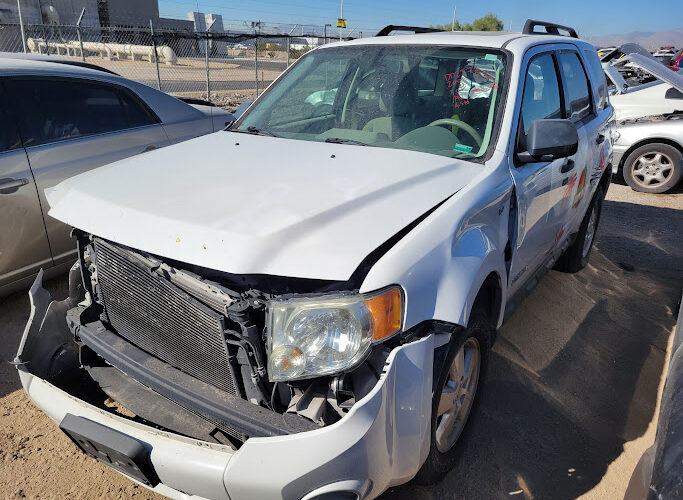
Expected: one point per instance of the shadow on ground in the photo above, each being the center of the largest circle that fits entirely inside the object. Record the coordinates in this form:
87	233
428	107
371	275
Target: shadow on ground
574	373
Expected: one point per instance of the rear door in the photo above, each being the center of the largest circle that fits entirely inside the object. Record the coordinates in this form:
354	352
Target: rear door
24	247
536	183
70	125
580	108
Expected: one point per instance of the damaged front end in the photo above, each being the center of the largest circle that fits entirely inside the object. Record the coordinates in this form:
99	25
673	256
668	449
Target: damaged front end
181	351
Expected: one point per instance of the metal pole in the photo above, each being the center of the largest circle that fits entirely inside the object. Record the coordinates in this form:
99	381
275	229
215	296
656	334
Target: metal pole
453	25
156	56
341	17
21	23
258	24
78	32
288	52
325	35
206	59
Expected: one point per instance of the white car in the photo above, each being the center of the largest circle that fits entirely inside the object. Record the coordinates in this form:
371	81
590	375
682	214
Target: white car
58	119
301	307
658	97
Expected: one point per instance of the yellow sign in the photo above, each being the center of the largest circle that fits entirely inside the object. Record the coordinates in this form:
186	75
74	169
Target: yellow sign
341	23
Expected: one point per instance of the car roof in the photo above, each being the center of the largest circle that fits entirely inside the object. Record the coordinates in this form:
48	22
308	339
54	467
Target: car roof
16	65
492	39
55	59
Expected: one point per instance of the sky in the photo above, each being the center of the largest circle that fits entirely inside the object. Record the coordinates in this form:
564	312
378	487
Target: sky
589	17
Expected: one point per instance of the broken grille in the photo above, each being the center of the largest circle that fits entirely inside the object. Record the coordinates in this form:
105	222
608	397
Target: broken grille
158	317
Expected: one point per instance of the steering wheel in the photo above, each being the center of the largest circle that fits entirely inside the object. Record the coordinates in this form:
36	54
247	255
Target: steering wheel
461	125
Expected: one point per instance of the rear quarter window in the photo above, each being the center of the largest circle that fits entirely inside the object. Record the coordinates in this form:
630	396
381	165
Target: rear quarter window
56	109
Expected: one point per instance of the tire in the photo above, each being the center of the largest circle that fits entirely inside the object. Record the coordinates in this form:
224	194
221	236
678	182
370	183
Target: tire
653	168
577	255
444	455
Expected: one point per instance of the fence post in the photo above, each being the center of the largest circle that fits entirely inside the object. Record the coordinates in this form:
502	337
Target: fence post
21	24
206	58
156	56
256	64
78	32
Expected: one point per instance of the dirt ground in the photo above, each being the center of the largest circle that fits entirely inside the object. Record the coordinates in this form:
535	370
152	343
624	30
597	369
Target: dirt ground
567	407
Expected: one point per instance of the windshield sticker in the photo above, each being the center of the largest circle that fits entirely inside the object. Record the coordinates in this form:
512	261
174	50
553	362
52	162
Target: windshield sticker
462	148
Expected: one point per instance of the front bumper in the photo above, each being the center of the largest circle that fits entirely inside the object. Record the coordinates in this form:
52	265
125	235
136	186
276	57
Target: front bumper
618	151
381	442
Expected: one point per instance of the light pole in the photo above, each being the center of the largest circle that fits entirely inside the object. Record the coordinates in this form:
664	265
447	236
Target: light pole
453	25
325	36
340	17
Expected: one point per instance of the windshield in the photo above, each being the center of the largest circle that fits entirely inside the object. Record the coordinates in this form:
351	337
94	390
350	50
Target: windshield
430	99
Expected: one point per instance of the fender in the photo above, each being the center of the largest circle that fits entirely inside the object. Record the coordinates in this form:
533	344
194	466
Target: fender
443	262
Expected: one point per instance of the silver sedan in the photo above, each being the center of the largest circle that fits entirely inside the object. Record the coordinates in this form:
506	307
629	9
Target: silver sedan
57	121
648	151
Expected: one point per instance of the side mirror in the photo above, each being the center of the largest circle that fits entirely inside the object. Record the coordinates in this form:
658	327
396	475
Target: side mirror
550	139
241	109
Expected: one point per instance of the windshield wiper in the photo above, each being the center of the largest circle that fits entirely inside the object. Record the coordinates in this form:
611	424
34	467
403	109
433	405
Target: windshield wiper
339	140
253	131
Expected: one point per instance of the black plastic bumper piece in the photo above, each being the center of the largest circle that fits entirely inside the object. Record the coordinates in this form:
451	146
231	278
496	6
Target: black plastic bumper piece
204	399
113	448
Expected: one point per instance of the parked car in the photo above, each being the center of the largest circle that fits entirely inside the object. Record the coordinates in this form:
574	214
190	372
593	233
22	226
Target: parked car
316	325
648	138
58	120
659	96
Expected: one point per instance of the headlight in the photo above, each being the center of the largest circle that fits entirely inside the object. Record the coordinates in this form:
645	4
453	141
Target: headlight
312	336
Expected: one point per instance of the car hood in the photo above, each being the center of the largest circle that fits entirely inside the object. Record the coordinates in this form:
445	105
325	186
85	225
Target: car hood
260	205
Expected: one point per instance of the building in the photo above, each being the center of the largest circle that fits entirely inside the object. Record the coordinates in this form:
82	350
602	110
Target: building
106	13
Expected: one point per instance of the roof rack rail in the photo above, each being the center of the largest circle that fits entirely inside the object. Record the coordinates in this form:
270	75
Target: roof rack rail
550	28
415	29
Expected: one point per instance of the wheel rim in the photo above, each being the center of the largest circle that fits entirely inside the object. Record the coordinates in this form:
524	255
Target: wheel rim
590	231
652	169
457	395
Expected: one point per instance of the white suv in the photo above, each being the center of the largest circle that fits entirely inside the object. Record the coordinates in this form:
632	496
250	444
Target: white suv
302	306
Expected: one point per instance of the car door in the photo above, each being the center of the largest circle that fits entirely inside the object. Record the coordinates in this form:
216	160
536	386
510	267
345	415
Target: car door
579	108
536	183
70	125
24	247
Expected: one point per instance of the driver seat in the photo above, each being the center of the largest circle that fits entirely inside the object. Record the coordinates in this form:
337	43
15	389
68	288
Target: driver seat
398	106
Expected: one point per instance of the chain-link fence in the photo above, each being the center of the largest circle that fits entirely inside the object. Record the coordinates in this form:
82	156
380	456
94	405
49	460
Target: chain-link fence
225	68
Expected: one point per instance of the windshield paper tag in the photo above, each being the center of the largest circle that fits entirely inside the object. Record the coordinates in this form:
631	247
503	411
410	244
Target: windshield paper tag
462	148
491	57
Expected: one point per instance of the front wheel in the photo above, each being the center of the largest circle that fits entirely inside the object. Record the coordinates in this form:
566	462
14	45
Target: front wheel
454	397
653	168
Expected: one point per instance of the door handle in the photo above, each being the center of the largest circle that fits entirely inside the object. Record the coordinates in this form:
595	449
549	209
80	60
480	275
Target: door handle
565	181
151	147
14	184
600	139
568	165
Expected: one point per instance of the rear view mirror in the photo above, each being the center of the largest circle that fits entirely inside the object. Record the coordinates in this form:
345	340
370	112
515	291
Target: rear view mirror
550	139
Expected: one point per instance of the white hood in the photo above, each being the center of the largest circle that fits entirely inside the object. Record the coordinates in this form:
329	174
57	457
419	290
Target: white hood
259	205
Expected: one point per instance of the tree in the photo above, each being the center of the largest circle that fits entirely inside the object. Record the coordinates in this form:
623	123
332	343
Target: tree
487	23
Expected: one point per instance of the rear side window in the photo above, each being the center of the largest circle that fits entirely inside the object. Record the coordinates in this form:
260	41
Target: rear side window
9	135
541	97
57	109
598	76
578	98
